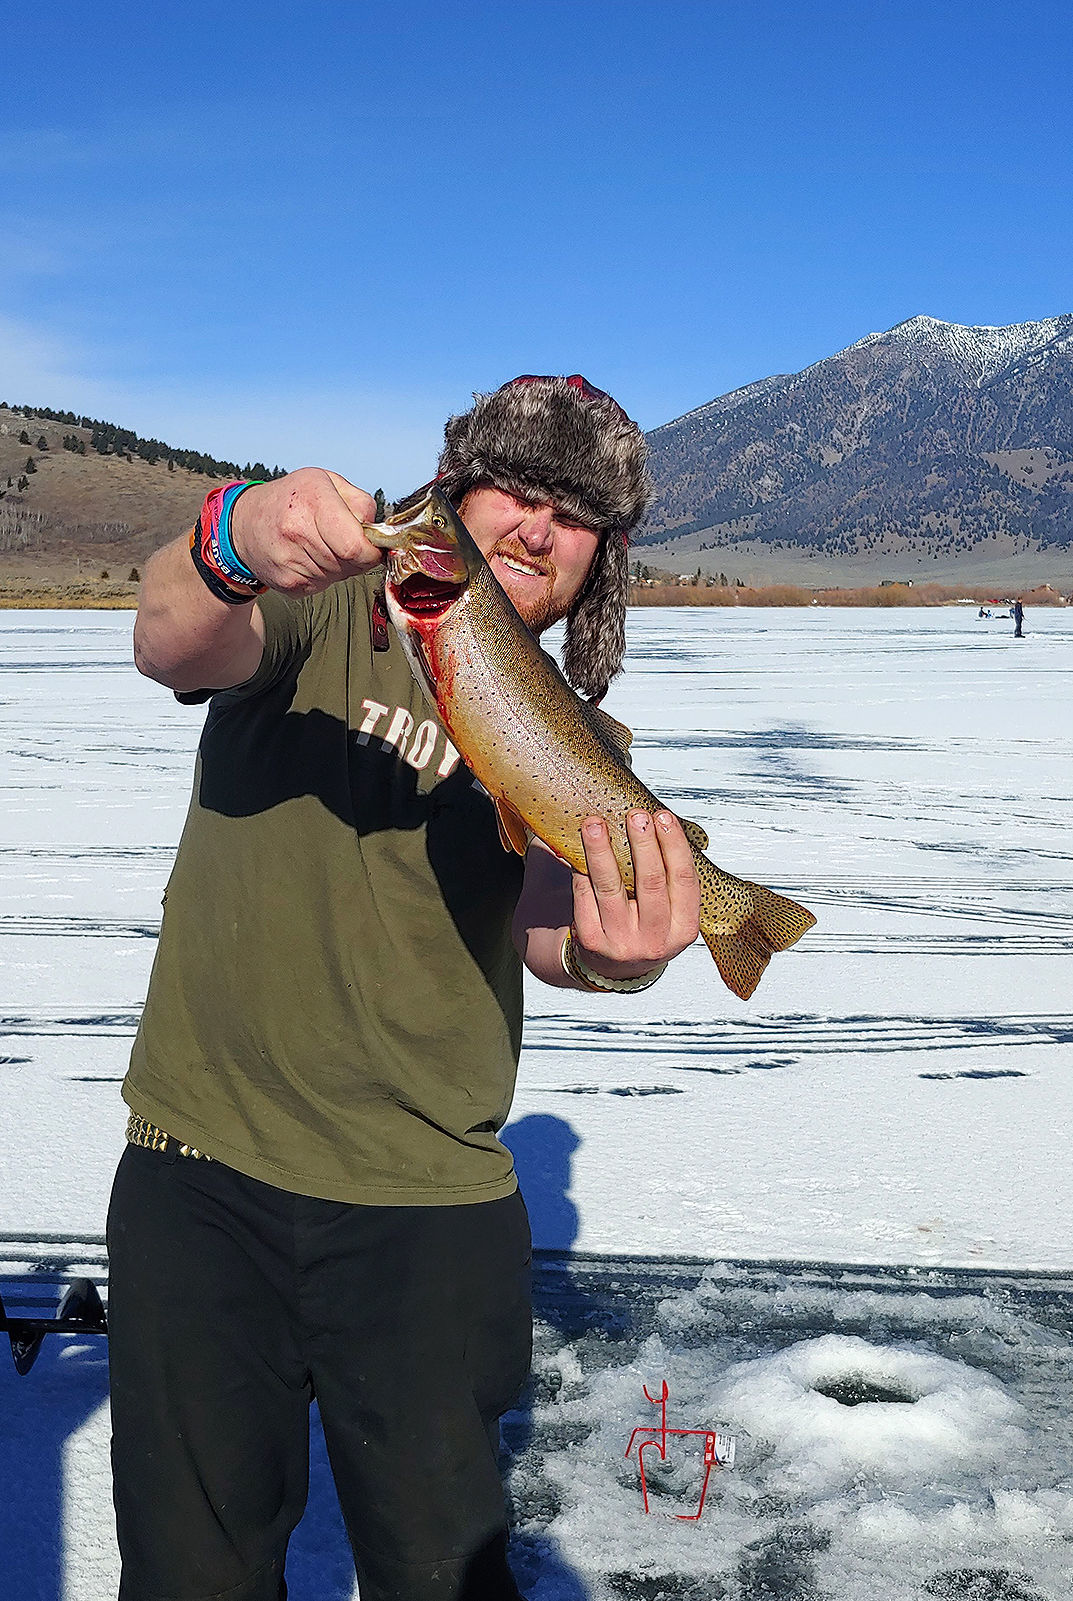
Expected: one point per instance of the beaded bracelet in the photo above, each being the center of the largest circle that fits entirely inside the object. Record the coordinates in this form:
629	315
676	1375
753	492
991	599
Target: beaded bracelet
214	556
580	971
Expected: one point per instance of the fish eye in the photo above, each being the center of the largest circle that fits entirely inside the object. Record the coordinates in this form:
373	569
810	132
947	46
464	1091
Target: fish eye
438	522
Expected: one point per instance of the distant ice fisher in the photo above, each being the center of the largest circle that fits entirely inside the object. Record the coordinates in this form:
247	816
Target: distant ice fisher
546	757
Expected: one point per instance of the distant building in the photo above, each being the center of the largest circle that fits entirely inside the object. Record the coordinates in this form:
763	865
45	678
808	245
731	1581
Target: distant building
893	583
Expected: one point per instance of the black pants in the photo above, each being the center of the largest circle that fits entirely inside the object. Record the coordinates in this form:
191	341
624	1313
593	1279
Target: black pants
231	1304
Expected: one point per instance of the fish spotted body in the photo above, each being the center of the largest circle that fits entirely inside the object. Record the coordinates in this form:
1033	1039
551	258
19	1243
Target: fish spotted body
547	758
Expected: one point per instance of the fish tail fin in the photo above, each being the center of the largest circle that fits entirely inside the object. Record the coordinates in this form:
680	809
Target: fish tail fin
742	953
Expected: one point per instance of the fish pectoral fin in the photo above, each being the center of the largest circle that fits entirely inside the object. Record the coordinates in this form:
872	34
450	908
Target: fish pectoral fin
694	833
610	728
513	833
383	537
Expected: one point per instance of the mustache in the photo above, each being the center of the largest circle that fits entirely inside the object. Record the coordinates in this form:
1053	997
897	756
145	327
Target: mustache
507	547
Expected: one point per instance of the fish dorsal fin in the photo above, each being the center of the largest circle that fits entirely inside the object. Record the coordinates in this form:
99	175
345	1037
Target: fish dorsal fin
610	728
513	833
694	833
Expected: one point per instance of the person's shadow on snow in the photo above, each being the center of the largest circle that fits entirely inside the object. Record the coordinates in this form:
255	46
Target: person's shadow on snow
319	1559
44	1412
56	1488
44	1486
543	1148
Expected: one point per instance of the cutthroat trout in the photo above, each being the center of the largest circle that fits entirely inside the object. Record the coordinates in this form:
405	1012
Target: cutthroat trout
547	758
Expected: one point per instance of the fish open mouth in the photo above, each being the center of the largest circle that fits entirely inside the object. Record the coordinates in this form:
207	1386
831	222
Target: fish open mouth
422	596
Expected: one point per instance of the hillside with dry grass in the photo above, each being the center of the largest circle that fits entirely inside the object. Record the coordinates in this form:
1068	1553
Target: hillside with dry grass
74	526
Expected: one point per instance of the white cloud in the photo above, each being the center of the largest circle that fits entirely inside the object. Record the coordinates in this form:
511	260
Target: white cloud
375	437
376	440
26	256
36	364
41	148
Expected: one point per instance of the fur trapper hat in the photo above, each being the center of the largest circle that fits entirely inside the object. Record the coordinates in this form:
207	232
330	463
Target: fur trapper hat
562	441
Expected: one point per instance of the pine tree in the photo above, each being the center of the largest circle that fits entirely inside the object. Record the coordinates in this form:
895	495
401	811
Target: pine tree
42	443
31	465
24	438
381	505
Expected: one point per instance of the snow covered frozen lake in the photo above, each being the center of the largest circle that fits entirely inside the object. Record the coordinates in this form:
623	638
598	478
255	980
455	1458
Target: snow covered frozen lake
872	1154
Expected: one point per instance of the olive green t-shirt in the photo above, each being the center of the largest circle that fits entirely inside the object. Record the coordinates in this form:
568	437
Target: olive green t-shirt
335	1005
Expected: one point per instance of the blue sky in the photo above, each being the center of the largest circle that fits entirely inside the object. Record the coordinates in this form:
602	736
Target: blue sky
308	233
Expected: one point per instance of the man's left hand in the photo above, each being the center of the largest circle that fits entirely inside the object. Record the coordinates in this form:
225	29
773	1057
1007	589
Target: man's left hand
623	936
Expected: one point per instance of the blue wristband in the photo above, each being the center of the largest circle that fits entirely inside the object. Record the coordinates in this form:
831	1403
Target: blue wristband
223	532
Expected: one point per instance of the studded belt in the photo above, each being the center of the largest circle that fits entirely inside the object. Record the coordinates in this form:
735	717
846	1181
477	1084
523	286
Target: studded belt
141	1132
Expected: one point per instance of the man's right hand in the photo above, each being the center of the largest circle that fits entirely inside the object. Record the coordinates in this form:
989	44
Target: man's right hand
300	533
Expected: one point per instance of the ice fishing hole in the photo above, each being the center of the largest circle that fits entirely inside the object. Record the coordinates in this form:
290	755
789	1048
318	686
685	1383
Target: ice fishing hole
854	1389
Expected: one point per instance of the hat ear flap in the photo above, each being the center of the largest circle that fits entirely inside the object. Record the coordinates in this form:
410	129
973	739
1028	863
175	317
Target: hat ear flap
596	623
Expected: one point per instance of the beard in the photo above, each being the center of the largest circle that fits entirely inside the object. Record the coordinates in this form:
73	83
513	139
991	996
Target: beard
539	611
540	614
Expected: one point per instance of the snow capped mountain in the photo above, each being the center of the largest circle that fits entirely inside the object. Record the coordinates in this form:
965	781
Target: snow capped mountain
979	352
928	432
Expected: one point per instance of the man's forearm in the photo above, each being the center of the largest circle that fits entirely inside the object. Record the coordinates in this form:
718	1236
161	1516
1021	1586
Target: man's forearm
542	955
184	636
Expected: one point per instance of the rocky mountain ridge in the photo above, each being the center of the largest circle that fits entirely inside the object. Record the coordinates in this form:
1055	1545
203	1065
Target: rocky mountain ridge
930	441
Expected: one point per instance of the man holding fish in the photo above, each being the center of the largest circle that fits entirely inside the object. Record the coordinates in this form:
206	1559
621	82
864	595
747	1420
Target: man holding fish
313	1199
